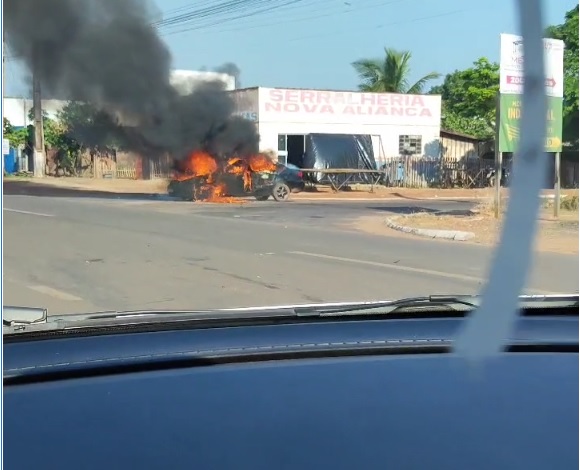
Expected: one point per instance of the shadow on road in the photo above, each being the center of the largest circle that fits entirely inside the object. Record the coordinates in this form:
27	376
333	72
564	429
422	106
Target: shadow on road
406	210
25	188
402	209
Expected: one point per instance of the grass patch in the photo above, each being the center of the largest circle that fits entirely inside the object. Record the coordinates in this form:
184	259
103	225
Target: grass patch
569	203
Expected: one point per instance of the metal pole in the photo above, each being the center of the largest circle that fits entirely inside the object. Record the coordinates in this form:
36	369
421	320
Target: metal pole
3	75
557	196
39	154
498	160
498	173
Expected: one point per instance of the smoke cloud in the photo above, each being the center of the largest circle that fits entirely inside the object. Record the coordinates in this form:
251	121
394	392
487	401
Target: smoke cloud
231	69
106	52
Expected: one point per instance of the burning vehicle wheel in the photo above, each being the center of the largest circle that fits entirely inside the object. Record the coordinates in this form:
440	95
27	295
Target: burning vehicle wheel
281	192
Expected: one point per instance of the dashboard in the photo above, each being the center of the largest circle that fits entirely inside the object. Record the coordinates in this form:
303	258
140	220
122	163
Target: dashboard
341	393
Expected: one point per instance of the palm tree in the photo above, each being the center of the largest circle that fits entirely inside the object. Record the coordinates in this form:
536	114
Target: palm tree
390	75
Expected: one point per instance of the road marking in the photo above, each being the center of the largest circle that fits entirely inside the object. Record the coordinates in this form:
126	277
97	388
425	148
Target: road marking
396	267
40	214
57	294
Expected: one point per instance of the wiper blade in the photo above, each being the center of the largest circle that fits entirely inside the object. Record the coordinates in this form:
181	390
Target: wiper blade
453	302
12	316
19	320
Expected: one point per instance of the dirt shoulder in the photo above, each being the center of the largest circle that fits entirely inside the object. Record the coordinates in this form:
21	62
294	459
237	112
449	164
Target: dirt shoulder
159	186
557	236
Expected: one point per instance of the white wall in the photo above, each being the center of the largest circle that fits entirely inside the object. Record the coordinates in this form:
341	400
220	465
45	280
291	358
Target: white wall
16	110
386	115
186	80
389	135
335	107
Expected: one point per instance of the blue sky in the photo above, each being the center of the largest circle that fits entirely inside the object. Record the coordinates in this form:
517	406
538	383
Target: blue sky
311	43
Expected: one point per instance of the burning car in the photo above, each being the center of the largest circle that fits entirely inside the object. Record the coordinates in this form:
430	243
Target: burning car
202	177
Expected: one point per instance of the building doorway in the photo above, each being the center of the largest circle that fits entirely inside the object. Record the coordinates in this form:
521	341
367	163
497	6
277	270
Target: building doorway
291	148
296	145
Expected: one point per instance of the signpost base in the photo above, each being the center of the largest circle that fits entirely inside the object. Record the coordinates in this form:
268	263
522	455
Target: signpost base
557	195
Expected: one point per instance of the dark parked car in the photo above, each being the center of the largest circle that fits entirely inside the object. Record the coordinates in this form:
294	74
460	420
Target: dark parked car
287	179
278	184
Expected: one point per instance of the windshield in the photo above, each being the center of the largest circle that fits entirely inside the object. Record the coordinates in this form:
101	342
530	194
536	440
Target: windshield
141	147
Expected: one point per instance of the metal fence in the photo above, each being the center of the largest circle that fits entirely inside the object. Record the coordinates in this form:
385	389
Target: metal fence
421	172
407	172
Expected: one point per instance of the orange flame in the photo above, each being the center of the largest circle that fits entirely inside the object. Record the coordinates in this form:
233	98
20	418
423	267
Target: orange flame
200	164
261	162
196	165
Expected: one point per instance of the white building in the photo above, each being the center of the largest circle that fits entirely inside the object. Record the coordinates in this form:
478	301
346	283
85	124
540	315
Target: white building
16	110
185	81
398	124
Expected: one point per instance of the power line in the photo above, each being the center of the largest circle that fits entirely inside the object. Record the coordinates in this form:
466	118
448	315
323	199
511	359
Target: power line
229	10
236	18
366	29
251	27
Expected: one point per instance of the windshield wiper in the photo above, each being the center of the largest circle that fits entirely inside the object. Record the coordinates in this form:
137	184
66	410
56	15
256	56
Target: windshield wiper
460	303
21	320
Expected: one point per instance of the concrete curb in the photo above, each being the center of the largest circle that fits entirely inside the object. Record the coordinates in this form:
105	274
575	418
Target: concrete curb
388	199
456	235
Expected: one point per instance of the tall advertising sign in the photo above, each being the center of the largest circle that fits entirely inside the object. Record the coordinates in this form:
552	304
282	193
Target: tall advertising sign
511	88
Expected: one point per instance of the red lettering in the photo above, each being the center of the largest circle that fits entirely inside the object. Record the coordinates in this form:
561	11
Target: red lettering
367	98
417	101
276	95
307	96
383	99
292	96
397	99
339	98
292	107
360	104
274	107
324	97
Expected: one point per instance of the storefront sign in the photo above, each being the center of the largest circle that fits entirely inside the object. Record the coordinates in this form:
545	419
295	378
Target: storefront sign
351	105
511	66
511	88
509	128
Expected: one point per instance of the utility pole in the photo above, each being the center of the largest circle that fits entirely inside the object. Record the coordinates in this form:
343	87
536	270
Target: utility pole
3	74
39	154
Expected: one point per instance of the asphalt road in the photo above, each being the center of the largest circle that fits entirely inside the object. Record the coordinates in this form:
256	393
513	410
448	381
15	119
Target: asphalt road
87	254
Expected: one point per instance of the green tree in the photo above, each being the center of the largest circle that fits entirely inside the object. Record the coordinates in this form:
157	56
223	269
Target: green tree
53	131
568	32
469	99
56	138
16	137
89	127
390	74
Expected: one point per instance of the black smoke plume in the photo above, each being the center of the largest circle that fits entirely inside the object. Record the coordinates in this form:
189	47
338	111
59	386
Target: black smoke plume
231	69
105	52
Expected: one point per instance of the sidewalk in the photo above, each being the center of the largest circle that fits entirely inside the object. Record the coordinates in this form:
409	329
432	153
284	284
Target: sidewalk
559	236
159	186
